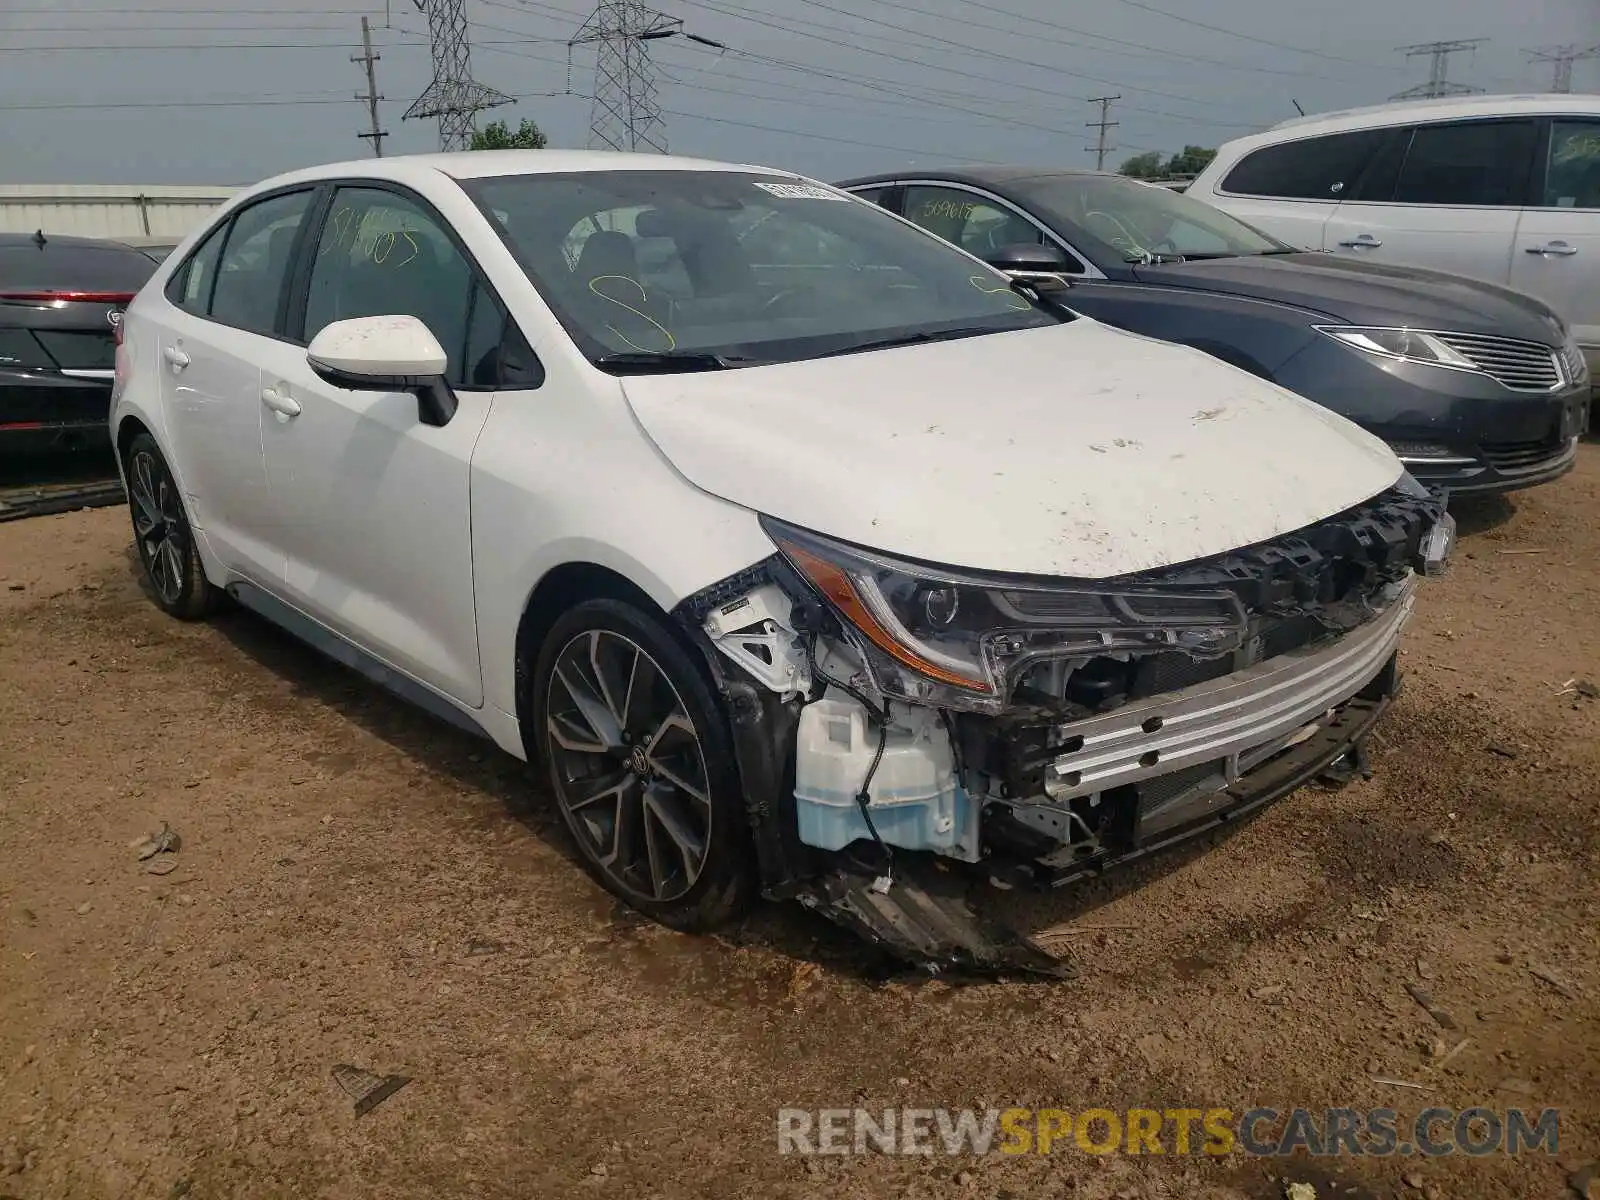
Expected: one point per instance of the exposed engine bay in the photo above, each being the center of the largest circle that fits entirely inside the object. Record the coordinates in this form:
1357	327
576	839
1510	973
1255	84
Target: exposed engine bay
904	731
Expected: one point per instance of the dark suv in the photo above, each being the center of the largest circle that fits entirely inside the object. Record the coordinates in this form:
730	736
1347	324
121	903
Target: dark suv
61	300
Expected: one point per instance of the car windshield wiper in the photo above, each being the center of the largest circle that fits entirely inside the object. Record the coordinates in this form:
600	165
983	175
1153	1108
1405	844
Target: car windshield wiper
646	362
913	339
1150	258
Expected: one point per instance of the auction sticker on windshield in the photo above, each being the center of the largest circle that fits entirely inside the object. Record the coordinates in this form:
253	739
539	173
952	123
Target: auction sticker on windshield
800	191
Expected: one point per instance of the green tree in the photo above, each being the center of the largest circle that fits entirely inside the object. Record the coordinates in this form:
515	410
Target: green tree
1191	161
496	136
1143	166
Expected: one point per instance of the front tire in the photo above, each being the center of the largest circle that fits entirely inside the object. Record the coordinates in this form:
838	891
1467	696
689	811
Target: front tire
163	537
641	764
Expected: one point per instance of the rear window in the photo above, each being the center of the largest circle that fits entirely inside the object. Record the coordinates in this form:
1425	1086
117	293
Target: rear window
76	265
1316	168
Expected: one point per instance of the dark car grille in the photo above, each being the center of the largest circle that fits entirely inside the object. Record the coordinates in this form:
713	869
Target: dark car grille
1517	456
1520	366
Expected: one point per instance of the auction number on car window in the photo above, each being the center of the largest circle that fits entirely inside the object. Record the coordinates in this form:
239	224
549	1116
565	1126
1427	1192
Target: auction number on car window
361	233
961	209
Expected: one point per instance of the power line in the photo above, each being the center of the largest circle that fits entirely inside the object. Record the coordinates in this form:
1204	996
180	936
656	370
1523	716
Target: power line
902	107
968	48
1562	57
1009	84
192	102
1153	51
1103	124
1438	69
368	59
819	137
453	96
1246	37
124	47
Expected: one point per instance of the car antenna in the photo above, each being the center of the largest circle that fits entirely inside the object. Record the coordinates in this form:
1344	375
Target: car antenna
1297	107
39	238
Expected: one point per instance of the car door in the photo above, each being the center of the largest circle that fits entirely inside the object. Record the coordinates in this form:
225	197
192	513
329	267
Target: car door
1458	190
226	304
1557	252
1290	189
372	505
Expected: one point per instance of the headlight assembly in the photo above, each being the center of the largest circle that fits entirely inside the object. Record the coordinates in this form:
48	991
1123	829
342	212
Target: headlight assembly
961	641
1408	344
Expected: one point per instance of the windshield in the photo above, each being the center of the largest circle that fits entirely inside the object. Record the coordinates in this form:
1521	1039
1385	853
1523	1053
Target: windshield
737	267
1123	220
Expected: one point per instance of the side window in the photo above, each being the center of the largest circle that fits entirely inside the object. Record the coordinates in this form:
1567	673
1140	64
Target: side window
1377	182
1572	175
190	286
1317	168
873	195
1471	162
255	262
972	223
381	254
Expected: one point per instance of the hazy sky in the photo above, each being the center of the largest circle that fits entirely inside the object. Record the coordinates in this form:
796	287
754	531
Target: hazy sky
168	93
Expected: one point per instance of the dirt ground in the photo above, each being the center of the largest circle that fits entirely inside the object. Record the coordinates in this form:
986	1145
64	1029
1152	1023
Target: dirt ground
358	884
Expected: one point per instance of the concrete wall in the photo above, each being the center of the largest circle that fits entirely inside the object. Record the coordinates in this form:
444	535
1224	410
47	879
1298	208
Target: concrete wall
107	210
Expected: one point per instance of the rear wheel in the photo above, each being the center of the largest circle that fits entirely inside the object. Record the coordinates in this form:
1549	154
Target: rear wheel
163	537
642	765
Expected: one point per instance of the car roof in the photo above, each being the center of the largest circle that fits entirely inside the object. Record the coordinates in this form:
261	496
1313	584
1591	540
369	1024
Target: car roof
980	176
419	169
1444	108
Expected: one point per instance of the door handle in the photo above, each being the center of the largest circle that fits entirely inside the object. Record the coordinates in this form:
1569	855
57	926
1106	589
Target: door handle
1364	241
1560	249
176	357
284	406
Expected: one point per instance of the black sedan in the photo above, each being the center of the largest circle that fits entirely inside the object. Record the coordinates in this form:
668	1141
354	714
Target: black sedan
61	299
1477	388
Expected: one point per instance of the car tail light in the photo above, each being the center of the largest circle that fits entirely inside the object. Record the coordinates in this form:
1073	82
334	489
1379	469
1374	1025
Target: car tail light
120	377
61	297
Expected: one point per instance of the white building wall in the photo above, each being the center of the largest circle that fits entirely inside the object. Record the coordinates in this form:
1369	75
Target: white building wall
107	210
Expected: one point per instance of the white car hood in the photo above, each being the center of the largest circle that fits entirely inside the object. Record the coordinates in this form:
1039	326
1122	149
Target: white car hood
1076	450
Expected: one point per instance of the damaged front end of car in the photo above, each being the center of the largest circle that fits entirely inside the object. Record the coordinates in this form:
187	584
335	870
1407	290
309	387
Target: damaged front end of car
905	732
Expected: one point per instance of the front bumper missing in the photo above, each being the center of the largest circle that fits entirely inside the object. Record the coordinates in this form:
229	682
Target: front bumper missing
1226	719
927	918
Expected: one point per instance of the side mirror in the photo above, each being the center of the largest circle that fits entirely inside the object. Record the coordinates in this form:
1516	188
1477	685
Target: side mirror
386	354
1027	259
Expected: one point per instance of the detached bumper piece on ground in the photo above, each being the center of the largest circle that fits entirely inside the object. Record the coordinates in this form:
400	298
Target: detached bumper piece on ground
1192	697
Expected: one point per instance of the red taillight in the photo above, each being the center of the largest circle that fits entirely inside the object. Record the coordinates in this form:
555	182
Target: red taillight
54	297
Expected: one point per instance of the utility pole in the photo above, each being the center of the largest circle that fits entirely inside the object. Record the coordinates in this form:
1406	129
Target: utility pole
625	114
1438	69
453	96
369	59
1563	57
1103	124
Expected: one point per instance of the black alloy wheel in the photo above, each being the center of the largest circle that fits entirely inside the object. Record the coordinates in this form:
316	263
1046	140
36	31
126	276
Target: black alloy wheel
641	764
162	535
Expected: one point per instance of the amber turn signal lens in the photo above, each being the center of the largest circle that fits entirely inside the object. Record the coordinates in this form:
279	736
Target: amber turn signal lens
835	584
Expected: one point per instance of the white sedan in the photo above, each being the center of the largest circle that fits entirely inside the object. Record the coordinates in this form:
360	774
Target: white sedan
802	549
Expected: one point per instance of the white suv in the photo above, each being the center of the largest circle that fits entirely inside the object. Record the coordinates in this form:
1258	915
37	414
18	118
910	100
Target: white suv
799	546
1503	188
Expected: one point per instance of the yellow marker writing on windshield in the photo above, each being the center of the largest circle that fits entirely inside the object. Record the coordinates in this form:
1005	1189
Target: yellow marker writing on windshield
672	342
1014	300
